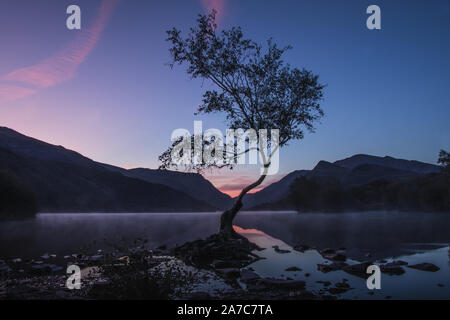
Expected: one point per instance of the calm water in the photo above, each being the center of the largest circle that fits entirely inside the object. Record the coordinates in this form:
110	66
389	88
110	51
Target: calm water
413	237
380	234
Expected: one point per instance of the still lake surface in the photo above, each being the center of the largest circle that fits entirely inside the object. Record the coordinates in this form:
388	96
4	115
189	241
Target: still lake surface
414	237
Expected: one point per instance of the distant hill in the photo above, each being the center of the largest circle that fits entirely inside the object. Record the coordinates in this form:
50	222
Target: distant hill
355	171
65	181
16	200
389	162
193	184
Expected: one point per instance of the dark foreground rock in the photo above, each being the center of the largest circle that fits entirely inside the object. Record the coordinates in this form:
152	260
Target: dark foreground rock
278	250
283	284
217	249
293	269
425	267
359	270
331	267
392	270
301	248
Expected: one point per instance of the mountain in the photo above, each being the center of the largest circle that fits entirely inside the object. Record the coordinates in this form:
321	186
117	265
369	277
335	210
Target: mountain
193	184
389	162
354	171
274	191
64	181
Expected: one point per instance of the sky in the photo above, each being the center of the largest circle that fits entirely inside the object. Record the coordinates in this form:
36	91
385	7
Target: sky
106	90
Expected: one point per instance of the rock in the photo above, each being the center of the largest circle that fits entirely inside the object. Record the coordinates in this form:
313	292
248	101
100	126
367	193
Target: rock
325	283
293	269
392	270
343	285
202	253
359	270
230	272
249	276
307	274
278	250
283	284
301	248
425	267
335	257
327	251
440	285
331	267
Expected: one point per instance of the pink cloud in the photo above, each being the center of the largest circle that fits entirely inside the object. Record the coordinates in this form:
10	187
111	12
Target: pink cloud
218	5
11	92
63	65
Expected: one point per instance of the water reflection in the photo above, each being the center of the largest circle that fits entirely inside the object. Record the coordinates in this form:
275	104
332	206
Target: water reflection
413	284
380	234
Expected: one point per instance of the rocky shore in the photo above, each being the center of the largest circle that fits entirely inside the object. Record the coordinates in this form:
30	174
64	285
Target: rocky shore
212	268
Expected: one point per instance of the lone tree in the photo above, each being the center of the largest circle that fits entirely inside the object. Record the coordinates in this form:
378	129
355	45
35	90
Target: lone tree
254	88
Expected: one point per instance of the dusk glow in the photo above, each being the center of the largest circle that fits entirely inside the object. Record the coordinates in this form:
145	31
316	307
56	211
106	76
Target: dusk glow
107	92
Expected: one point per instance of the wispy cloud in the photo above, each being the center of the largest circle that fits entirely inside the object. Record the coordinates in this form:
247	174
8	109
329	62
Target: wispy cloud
62	66
11	92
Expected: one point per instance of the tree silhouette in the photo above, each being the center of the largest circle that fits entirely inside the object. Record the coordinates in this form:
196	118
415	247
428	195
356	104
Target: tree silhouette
254	88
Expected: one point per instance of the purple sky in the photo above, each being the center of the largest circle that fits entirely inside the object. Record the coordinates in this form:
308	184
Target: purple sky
106	92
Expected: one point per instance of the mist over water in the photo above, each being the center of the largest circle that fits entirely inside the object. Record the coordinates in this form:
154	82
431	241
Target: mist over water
381	234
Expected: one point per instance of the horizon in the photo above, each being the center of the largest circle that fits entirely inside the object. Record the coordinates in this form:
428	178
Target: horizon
105	92
232	193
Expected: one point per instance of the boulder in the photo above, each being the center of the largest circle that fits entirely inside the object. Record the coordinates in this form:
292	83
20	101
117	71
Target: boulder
331	267
327	251
359	270
335	257
301	248
278	250
392	270
293	269
425	267
283	284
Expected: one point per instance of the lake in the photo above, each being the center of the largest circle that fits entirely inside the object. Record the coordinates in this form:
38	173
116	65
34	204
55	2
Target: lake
414	237
380	234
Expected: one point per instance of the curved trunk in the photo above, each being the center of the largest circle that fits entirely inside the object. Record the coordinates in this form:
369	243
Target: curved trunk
227	217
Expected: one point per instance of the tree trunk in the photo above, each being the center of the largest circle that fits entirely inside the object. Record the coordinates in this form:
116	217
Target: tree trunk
227	217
